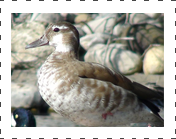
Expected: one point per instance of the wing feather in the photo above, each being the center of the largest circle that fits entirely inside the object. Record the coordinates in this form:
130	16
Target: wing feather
100	72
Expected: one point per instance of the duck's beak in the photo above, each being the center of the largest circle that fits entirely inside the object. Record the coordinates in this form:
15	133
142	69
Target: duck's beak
40	42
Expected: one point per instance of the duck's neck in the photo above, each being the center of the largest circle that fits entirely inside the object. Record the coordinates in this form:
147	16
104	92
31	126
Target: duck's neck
62	56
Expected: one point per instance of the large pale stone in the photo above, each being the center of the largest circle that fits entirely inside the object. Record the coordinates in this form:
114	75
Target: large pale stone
90	40
100	25
24	91
116	57
83	17
154	60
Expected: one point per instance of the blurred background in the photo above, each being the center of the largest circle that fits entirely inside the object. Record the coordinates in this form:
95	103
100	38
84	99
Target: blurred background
130	43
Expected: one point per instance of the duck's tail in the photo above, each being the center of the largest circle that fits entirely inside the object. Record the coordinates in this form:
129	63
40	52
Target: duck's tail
156	105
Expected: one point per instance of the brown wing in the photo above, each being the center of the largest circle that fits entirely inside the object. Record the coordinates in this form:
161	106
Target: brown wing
100	72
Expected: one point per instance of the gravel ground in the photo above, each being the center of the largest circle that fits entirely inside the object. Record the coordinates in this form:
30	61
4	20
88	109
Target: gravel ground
53	120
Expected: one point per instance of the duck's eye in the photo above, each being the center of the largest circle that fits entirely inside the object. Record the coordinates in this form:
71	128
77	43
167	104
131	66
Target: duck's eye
16	116
56	29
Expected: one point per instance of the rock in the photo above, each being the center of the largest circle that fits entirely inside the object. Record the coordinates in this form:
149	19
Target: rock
35	26
69	17
144	35
137	18
119	29
129	62
53	17
102	15
20	17
24	91
25	76
22	35
101	25
154	60
47	17
153	15
145	79
89	40
115	57
22	95
83	17
142	31
26	96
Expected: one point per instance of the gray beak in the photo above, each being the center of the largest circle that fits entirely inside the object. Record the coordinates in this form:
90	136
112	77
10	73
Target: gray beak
40	42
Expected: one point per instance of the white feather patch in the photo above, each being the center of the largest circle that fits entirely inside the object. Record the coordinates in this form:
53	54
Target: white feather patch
57	39
58	43
13	122
60	27
63	48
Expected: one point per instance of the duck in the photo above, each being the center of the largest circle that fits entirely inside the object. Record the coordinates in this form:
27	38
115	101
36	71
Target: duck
22	118
91	94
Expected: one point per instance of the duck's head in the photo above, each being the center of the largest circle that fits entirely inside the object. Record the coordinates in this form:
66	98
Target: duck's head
63	36
22	118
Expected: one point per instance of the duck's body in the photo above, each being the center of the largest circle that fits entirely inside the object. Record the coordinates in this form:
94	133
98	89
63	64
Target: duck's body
89	94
